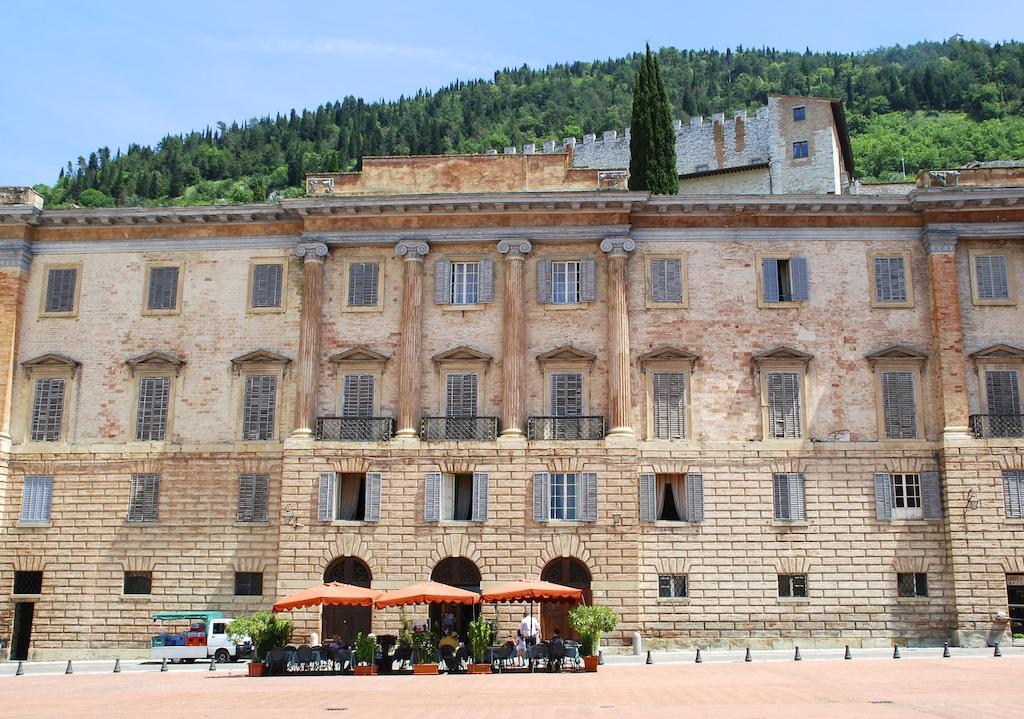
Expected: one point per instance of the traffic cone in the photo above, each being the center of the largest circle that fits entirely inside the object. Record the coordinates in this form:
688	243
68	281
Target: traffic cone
997	653
163	665
698	660
847	655
649	660
19	671
945	650
213	665
117	665
895	651
796	655
69	670
748	658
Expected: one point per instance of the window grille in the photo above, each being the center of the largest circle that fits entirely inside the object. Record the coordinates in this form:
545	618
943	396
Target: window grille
27	582
792	585
671	586
138	582
48	410
144	502
911	584
36	497
151	416
248	584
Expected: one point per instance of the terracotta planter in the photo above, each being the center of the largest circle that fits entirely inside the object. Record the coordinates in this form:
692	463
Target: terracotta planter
424	668
590	664
256	669
479	668
367	670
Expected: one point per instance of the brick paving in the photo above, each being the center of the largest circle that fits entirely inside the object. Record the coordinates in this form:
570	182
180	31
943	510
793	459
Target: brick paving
976	687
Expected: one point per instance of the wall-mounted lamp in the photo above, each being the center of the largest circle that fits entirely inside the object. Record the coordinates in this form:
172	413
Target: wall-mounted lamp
288	514
972	501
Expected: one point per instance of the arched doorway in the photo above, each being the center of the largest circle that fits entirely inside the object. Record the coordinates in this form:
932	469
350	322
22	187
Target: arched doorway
456	572
346	622
570	572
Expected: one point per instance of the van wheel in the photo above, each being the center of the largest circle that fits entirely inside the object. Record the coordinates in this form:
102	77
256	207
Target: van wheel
221	656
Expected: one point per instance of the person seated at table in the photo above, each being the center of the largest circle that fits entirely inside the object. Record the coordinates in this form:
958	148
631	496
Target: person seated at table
450	640
556	638
521	647
335	642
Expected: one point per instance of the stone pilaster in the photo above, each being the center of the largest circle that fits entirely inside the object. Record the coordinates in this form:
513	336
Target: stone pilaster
619	395
409	369
947	330
513	346
308	365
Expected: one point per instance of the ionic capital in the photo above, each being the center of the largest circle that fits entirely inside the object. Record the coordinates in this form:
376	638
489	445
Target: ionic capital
412	251
618	246
515	249
939	242
311	251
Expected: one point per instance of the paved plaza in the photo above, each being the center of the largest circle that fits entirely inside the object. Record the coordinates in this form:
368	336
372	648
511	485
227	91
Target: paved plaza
973	684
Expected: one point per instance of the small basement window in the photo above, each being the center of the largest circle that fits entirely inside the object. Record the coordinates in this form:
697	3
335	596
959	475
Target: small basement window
912	584
792	585
138	582
28	583
248	584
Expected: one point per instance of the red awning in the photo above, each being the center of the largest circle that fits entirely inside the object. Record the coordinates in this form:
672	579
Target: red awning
333	593
426	593
532	590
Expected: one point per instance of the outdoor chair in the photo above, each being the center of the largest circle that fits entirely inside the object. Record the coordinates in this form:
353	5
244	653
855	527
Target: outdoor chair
277	661
403	655
304	656
538	654
556	654
572	655
449	661
502	656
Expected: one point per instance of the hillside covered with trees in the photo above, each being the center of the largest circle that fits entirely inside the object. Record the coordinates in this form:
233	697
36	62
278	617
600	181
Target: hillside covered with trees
929	105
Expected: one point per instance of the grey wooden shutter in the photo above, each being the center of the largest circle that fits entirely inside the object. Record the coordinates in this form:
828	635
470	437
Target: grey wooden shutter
784	404
648	497
480	481
883	495
485	293
253	491
668	391
358	395
432	497
362	284
461	395
259	411
567	394
1013	488
780	496
770	279
371	498
47	410
588	280
588	507
326	496
60	290
144	501
694	497
541	496
543	281
993	283
442	282
931	494
666	279
163	288
266	285
797	499
35	498
899	405
798	278
1002	392
151	414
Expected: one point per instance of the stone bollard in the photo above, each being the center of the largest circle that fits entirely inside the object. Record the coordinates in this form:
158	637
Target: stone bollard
847	655
117	665
997	653
163	665
19	671
600	658
796	655
945	650
748	658
213	665
698	660
895	651
69	670
638	644
649	660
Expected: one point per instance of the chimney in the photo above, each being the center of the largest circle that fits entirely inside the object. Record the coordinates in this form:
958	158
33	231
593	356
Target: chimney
510	150
492	151
20	196
677	125
627	135
569	142
741	115
609	135
696	121
589	138
529	149
718	117
549	146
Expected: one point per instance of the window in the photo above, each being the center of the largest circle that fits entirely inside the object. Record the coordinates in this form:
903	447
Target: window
457	496
363	280
565	283
61	290
671	497
792	585
991	277
1002	392
461	395
248	584
799	113
266	286
912	584
701	168
784	280
1013	493
788	496
665	280
144	502
151	415
668	395
259	407
890	276
800	150
567	394
35	498
349	497
28	583
563	496
253	493
465	283
671	586
357	395
906	496
48	410
784	405
162	290
899	405
138	582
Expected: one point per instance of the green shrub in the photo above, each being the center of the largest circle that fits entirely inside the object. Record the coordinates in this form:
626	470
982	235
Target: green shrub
264	629
590	622
425	646
481	635
366	648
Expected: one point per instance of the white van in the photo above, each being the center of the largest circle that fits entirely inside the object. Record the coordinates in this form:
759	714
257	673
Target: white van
206	638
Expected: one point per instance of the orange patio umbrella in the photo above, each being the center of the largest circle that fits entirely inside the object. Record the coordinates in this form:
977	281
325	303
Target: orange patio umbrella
426	593
532	590
329	594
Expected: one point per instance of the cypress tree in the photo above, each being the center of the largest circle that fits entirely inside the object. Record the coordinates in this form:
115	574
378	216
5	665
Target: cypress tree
652	142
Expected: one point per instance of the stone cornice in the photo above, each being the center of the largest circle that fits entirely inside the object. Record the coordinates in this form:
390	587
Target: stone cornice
15	253
573	201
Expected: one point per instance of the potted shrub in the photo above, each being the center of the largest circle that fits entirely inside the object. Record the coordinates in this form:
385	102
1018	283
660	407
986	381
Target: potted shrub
424	645
481	636
590	622
265	631
366	655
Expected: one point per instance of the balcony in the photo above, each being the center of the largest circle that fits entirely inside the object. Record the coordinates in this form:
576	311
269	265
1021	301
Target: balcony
355	429
454	429
986	426
565	428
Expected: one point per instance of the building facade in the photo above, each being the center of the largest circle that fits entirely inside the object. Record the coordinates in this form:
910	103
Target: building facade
734	420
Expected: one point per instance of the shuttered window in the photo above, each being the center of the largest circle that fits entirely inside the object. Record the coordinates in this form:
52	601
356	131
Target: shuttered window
564	489
151	413
668	392
60	290
362	284
48	410
36	497
801	149
163	288
465	283
1013	493
671	497
890	280
144	502
565	283
259	408
357	395
788	496
461	395
784	280
1002	392
350	497
991	275
567	394
899	405
253	493
906	496
666	279
784	405
266	285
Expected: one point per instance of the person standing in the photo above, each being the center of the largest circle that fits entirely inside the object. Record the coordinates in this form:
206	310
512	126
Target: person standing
529	627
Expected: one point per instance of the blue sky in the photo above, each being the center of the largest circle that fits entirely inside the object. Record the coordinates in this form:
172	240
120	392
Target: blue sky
81	74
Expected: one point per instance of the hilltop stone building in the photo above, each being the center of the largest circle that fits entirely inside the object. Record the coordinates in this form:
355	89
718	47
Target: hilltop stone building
734	419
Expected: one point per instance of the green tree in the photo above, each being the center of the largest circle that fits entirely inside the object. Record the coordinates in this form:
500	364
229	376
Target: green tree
652	143
95	198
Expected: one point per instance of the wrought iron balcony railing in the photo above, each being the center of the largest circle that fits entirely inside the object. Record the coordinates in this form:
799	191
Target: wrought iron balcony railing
453	429
985	426
565	428
355	429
